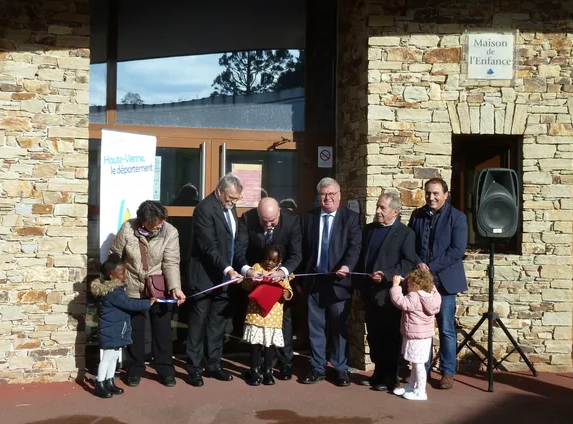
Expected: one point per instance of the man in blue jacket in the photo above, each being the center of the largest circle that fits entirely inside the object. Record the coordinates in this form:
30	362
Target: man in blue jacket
441	239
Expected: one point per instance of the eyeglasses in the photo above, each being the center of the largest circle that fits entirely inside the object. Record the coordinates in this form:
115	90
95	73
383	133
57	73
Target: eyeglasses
328	195
233	199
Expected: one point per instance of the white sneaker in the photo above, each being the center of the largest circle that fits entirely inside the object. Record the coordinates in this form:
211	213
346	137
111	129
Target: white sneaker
399	391
416	395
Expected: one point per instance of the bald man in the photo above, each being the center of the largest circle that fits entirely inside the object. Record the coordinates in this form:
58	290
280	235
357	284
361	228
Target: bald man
259	227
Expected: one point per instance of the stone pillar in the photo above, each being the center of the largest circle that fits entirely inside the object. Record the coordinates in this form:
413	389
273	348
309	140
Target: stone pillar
44	72
418	97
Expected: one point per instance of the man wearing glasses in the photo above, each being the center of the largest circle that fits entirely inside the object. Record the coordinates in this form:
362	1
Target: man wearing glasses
331	246
215	228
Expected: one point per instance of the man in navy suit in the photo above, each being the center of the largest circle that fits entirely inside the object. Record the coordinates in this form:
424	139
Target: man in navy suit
441	240
388	249
266	224
331	240
212	252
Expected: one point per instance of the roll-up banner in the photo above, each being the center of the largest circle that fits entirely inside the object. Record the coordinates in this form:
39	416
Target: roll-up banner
126	179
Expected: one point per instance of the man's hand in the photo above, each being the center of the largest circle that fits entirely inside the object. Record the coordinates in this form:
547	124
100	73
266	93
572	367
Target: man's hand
396	280
343	272
255	275
179	295
423	267
276	276
377	276
232	274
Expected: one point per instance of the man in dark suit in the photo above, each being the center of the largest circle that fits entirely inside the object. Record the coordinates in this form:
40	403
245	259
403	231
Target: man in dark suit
441	240
388	248
331	245
215	227
258	228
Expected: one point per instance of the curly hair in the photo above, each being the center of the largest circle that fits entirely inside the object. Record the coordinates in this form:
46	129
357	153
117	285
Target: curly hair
423	280
109	266
275	247
151	211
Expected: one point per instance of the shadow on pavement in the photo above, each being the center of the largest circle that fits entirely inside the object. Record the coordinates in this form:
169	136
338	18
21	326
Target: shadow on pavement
79	419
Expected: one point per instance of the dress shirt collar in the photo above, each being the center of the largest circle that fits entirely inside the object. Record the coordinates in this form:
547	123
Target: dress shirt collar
332	214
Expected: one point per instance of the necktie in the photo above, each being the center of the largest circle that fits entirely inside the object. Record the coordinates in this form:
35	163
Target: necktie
268	236
228	216
324	244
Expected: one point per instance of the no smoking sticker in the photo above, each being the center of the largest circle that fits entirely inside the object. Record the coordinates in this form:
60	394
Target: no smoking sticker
325	156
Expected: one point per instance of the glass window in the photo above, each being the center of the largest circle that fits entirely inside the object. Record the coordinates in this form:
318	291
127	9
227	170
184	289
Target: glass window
256	89
273	174
180	176
99	11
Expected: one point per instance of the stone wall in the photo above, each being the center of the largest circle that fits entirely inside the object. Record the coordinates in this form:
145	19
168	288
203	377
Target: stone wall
418	96
44	70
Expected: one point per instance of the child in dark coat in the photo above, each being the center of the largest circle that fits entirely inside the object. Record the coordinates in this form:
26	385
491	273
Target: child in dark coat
114	321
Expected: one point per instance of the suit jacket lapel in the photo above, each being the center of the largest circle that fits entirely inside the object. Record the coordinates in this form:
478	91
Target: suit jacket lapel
334	232
316	239
367	250
219	212
387	241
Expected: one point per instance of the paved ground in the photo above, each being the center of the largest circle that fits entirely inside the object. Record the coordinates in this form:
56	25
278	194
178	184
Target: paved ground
518	398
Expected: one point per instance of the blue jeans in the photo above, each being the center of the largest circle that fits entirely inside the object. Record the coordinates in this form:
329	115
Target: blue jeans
448	339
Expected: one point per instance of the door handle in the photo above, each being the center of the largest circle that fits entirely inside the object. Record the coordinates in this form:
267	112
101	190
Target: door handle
223	166
203	168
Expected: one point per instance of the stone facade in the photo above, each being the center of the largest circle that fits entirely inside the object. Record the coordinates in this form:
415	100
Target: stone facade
44	72
403	93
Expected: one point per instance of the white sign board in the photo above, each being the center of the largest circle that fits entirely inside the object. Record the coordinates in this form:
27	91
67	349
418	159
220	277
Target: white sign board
325	157
126	180
490	56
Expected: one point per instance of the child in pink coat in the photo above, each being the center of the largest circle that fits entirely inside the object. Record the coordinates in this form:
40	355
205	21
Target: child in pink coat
417	327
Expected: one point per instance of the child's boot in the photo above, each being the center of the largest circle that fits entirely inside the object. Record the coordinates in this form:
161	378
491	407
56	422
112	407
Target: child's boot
102	391
268	379
112	388
254	377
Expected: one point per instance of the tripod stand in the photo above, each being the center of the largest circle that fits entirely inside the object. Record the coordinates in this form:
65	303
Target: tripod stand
492	317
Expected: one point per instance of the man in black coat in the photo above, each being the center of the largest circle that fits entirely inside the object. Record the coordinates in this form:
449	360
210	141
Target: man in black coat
331	245
388	248
215	228
258	228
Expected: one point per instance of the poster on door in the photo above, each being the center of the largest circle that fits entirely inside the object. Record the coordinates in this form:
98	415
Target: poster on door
127	174
251	176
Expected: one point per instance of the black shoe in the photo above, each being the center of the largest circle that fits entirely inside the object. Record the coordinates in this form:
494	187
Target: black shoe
102	391
168	381
133	381
268	379
342	379
111	387
220	374
285	372
385	385
372	381
253	377
195	379
313	377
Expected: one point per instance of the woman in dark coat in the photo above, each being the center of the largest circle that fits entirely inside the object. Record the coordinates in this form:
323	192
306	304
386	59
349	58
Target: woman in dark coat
114	321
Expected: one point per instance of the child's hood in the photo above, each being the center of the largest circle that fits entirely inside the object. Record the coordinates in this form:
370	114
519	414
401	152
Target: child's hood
101	288
430	302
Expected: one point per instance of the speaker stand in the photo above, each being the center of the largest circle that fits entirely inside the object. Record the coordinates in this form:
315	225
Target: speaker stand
492	317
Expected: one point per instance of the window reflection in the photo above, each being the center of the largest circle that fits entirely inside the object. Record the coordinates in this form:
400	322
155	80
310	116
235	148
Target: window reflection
180	176
255	89
264	173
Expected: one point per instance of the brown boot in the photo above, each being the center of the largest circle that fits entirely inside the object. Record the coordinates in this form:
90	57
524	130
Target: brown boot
447	382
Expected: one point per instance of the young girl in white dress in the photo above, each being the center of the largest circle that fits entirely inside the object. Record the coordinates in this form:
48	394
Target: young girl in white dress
418	307
265	333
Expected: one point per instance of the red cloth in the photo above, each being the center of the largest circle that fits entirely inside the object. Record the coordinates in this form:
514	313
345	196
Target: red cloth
266	295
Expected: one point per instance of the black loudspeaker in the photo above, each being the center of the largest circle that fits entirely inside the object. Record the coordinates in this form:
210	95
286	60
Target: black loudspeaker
496	213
